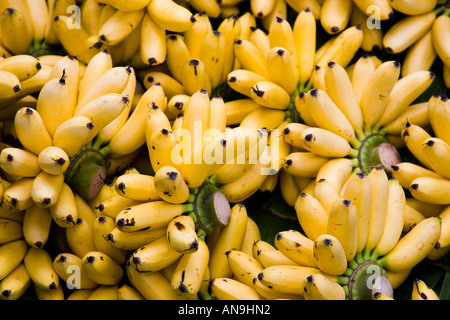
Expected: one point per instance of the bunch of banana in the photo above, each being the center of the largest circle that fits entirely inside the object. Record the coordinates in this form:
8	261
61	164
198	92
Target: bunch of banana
351	245
422	33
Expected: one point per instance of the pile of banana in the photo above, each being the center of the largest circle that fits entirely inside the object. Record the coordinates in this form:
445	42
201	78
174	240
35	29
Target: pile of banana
134	132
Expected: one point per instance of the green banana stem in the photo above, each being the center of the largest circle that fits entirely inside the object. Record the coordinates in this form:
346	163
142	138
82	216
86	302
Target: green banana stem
86	173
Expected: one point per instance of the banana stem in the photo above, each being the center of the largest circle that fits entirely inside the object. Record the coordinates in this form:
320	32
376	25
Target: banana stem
105	151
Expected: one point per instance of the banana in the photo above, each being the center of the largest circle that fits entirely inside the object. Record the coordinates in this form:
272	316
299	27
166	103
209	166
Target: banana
303	164
136	239
407	31
363	69
170	186
395	215
31	130
405	254
335	15
416	113
421	291
72	134
412	217
46	189
126	292
12	254
225	288
64	211
154	256
24	66
80	294
419	56
281	34
17	196
372	37
36	226
136	186
318	287
440	39
230	237
177	52
242	80
357	189
295	246
11	230
313	5
430	190
171	86
326	193
16	28
435	151
270	95
446	75
193	36
217	117
114	204
101	268
379	185
328	116
411	7
113	80
128	6
279	9
382	8
304	30
190	270
414	137
288	279
15	284
212	54
195	77
38	13
312	216
325	143
66	264
289	189
101	227
152	285
374	96
329	255
337	81
277	59
293	133
39	266
80	237
438	114
104	292
182	236
404	93
261	9
250	58
260	39
176	105
153	45
136	218
75	40
170	15
268	255
10	84
119	26
90	12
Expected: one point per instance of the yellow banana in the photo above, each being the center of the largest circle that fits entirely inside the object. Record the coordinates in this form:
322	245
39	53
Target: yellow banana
24	66
304	29
438	113
64	211
250	58
170	15
303	164
298	248
15	284
101	227
154	256
73	133
268	255
19	162
126	292
372	36
195	77
407	31
225	288
326	193
395	215
170	186
270	95
440	38
278	59
430	190
404	93
66	265
46	189
318	287
136	218
329	254
412	7
230	237
11	230
212	54
36	226
363	68
153	45
337	81
405	253
328	116
177	53
136	186
190	270
263	117
419	56
31	130
129	6
421	291
16	28
119	26
260	39
80	237
325	143
17	196
416	113
242	80
312	216
382	8
101	268
335	15
414	137
380	84
12	253
435	151
136	239
281	34
288	279
279	10
181	234
39	266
